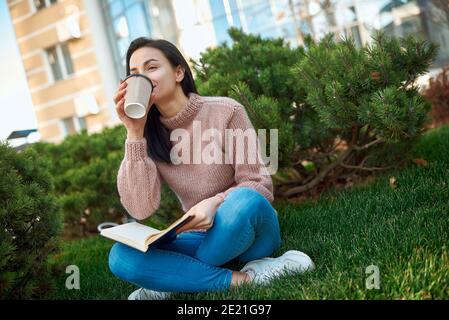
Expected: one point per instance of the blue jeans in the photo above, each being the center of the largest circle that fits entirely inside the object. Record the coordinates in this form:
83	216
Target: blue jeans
245	228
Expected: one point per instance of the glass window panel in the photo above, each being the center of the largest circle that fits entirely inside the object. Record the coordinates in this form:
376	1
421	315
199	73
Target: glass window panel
356	36
82	123
235	13
115	8
411	25
123	46
129	3
54	63
69	125
67	58
220	21
258	16
121	29
137	22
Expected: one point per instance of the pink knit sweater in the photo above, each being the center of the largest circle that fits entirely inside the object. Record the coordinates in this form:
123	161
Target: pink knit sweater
140	178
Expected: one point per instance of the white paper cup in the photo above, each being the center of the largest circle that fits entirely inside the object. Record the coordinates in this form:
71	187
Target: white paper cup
137	97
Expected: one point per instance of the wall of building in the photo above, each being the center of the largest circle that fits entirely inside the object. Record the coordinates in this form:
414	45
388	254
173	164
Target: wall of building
37	30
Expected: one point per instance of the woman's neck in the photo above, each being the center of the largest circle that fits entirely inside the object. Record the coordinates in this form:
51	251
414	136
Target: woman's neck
172	107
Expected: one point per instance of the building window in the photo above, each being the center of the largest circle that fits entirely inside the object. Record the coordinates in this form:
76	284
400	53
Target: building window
355	33
69	126
125	21
73	125
60	61
41	4
82	124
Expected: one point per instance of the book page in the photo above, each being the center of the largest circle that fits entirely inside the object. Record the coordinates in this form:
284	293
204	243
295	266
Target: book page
140	236
133	234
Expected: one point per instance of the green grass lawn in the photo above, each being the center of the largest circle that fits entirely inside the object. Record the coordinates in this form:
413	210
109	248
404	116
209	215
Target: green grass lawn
404	231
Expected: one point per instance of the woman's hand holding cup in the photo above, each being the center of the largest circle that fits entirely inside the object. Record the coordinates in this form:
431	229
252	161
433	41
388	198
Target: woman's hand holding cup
135	127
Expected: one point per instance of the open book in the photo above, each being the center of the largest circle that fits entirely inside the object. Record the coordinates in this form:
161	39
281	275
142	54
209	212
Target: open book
140	236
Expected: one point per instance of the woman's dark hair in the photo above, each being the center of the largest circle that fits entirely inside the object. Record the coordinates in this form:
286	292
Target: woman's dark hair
156	134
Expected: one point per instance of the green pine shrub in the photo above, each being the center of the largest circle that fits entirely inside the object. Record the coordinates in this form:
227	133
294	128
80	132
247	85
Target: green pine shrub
30	223
341	111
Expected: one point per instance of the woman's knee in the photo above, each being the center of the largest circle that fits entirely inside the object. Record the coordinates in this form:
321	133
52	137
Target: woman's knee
114	258
117	255
243	192
246	202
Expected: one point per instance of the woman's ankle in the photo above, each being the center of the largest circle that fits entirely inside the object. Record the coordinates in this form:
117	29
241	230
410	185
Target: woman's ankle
238	278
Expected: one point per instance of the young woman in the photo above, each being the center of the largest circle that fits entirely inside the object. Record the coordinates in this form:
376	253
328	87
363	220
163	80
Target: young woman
234	218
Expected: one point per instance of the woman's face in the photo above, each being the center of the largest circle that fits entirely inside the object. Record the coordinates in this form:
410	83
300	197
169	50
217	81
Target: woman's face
152	63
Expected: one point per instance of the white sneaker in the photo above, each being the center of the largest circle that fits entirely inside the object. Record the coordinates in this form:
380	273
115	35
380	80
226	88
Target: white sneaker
146	294
262	271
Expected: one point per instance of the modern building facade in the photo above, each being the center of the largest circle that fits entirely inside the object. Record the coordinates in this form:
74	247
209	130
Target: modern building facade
73	51
59	55
360	19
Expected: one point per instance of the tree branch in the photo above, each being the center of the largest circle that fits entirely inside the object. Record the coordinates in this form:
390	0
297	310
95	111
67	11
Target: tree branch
329	168
320	177
365	168
366	146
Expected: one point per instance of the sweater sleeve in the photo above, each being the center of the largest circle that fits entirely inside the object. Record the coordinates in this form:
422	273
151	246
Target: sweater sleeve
247	174
138	181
